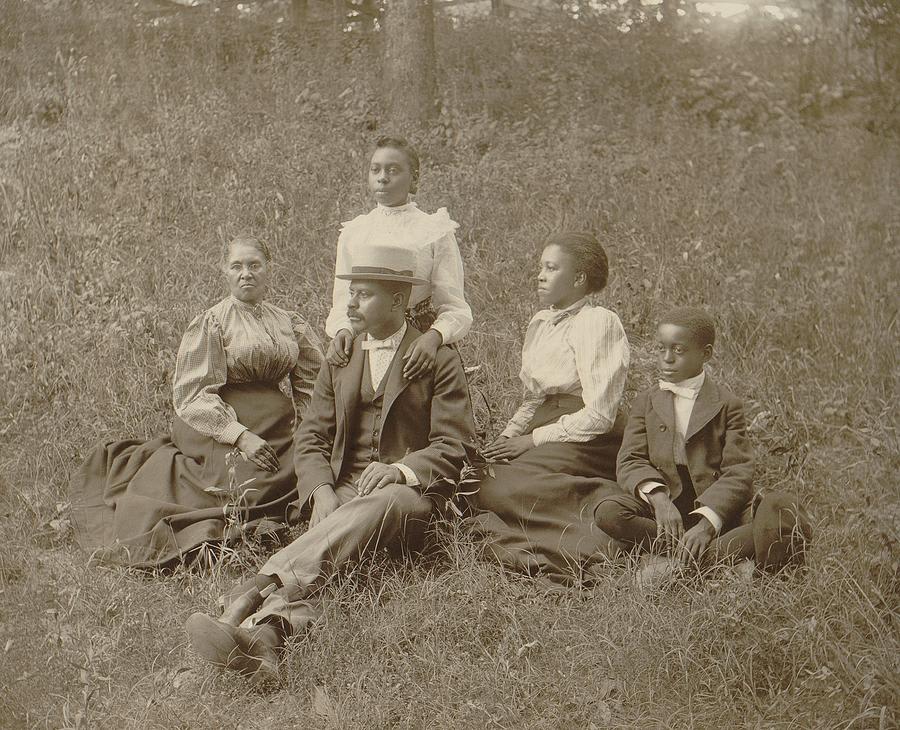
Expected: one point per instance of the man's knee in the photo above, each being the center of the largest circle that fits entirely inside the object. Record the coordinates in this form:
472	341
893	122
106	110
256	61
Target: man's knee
402	501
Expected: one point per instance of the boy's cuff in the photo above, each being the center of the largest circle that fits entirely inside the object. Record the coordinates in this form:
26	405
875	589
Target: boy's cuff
710	514
647	487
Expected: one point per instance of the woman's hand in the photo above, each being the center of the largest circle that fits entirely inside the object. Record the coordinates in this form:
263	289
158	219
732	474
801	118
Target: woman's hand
258	451
503	448
339	349
421	354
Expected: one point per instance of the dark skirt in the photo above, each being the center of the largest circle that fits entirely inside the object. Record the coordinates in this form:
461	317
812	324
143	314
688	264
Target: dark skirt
536	513
150	503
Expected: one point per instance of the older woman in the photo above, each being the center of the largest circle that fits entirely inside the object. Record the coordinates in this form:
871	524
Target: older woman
150	503
557	455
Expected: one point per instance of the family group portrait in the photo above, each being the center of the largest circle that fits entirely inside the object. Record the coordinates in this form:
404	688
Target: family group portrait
449	364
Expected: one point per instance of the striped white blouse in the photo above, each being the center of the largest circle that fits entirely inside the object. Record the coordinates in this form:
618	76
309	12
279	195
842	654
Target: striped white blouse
581	350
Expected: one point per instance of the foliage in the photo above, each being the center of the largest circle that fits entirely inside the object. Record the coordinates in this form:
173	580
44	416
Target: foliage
129	148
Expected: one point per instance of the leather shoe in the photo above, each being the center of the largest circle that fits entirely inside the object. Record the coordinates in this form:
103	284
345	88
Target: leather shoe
252	652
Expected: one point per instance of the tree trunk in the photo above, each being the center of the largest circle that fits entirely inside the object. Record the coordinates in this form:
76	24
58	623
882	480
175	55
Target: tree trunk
410	82
298	13
339	14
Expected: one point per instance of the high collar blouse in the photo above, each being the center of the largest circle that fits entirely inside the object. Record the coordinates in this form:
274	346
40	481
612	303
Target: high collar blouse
580	350
236	342
438	261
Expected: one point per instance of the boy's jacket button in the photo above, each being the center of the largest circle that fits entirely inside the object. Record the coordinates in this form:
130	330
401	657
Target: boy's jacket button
662	427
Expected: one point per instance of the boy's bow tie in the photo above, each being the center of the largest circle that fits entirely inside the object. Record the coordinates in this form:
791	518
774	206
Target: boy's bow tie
681	390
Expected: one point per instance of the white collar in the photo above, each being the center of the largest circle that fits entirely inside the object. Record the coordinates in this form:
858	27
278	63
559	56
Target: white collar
392	342
555	316
395	209
256	308
694	383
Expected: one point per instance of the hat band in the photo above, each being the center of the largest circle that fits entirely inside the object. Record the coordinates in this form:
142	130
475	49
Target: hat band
380	270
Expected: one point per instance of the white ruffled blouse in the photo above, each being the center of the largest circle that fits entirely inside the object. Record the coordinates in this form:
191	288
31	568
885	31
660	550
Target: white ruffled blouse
438	260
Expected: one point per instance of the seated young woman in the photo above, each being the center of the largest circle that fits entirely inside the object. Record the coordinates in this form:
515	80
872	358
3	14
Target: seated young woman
556	458
151	503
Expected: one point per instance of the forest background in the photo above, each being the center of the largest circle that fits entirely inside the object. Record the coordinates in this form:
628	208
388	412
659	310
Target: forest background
747	165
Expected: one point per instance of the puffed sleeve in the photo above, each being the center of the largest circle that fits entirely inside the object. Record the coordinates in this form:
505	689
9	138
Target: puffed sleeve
454	316
200	372
303	374
531	400
600	346
340	292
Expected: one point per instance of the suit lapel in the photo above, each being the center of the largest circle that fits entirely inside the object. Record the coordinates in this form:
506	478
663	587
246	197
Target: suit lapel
394	382
348	382
707	405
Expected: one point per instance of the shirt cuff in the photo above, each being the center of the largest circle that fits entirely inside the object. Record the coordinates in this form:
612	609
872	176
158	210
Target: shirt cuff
441	329
449	328
510	431
232	432
331	329
710	514
647	487
546	434
408	474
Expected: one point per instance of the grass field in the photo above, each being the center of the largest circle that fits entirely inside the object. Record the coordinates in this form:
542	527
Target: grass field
755	175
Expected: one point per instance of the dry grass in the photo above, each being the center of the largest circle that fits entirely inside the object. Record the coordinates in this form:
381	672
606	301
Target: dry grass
127	150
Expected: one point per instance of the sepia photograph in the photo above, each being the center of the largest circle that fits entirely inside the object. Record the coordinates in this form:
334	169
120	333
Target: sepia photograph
449	364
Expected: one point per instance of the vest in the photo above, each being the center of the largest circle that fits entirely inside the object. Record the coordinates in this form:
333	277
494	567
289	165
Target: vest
365	432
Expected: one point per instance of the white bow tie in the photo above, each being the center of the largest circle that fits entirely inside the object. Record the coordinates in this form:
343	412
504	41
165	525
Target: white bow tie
680	390
377	344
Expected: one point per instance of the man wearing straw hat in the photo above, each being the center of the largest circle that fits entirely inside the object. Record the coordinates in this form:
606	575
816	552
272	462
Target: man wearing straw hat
372	454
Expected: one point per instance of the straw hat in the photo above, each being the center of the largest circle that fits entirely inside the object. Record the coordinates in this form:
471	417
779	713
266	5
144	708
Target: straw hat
383	262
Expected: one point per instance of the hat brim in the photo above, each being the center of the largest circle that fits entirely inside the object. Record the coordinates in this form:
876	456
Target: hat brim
373	276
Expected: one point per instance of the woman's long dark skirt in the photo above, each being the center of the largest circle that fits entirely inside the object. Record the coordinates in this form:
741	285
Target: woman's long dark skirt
150	503
536	512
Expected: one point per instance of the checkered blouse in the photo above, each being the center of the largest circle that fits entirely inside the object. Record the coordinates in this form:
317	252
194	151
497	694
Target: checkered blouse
234	342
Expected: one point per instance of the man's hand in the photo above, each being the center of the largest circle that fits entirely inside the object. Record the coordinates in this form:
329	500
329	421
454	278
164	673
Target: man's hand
258	451
695	541
669	526
504	448
324	502
421	354
339	349
377	475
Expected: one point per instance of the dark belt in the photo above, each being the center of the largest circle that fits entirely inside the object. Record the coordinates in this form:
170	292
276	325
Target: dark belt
553	407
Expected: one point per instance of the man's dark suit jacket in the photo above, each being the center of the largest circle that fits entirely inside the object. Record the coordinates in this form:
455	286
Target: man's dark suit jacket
719	454
425	422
